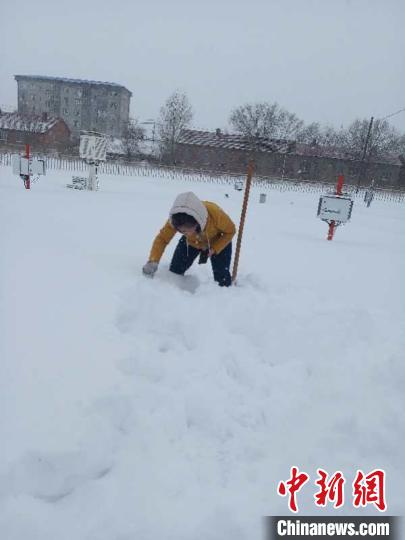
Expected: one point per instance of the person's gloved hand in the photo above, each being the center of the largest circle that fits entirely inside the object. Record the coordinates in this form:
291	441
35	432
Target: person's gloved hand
150	268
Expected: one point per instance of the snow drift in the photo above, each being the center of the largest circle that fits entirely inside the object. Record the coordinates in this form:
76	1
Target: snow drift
171	408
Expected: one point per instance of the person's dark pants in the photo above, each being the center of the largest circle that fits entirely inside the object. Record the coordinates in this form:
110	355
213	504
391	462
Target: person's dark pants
184	256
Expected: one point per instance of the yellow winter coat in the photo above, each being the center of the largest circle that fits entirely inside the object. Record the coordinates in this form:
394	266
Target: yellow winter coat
218	232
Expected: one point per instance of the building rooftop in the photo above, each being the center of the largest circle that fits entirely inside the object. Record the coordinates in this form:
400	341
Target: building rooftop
32	124
218	139
70	81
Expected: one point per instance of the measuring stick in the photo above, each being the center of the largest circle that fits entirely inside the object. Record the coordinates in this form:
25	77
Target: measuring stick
242	219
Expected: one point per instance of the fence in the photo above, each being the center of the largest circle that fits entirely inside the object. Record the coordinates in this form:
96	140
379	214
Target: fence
74	164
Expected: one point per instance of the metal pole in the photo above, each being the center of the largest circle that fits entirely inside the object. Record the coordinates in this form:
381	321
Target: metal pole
242	219
282	173
92	181
331	230
339	185
362	166
332	224
27	182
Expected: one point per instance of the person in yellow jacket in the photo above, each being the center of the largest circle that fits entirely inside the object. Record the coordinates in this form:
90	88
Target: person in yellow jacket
207	232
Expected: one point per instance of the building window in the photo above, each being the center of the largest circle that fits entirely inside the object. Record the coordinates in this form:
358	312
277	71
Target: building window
66	100
33	97
65	111
77	113
3	135
76	123
78	101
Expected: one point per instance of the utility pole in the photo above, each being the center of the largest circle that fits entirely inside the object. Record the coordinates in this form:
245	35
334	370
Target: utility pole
362	163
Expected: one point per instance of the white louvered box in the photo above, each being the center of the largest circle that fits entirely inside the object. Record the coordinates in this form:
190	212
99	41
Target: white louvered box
93	146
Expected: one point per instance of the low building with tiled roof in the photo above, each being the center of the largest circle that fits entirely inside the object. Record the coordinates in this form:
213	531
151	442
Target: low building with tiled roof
278	158
40	131
218	139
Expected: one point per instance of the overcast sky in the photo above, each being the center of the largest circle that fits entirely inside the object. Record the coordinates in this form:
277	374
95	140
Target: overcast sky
328	61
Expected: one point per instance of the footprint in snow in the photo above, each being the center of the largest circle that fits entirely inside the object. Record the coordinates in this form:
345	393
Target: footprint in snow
52	477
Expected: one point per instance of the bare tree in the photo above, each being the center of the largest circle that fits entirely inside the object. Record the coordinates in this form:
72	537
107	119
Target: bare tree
289	125
317	135
310	134
255	120
175	115
133	134
268	120
402	144
384	141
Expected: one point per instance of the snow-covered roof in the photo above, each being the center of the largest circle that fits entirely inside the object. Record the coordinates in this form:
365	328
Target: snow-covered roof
115	146
32	124
67	80
218	139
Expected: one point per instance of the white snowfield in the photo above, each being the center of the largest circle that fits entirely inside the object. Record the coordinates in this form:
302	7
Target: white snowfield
136	409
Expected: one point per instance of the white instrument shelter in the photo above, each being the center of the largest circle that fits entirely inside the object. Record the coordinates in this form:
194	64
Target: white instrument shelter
93	146
27	166
335	208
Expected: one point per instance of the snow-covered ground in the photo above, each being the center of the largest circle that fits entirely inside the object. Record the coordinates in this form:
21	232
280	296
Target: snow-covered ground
171	408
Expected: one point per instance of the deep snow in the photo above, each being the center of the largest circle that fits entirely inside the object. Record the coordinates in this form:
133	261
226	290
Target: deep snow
170	408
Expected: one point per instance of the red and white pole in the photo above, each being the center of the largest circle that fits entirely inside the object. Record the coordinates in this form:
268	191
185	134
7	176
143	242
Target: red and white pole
331	231
339	187
27	182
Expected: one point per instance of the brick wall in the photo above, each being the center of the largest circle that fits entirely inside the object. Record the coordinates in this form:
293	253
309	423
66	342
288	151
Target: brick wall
56	138
279	165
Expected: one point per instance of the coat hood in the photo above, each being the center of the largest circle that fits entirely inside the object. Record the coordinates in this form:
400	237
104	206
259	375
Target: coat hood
189	203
